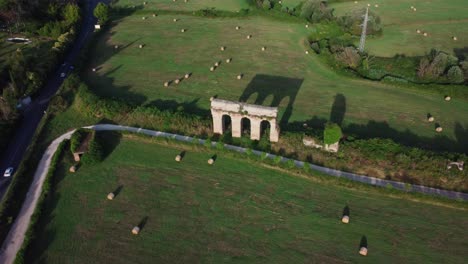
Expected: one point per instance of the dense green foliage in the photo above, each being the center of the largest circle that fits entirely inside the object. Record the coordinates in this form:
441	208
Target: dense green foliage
76	139
332	133
95	151
101	12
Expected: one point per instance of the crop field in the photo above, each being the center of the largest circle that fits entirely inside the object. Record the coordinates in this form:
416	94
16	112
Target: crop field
441	19
232	211
283	75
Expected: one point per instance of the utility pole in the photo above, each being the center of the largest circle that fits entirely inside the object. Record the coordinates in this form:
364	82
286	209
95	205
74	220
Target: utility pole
362	43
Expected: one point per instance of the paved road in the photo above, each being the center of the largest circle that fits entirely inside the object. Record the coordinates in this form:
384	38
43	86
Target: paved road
16	235
13	154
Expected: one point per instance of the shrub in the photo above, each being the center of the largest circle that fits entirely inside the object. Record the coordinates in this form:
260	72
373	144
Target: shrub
316	11
332	133
349	57
95	152
76	139
315	47
455	75
101	12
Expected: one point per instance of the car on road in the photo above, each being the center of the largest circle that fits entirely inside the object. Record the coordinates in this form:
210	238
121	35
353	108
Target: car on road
62	75
8	172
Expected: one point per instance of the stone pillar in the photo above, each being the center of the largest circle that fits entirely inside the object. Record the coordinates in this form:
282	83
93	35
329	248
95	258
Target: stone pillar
255	128
274	131
236	124
218	126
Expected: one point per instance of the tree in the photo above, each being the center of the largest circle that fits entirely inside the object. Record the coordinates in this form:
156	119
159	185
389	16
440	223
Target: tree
332	133
455	75
71	14
316	10
101	12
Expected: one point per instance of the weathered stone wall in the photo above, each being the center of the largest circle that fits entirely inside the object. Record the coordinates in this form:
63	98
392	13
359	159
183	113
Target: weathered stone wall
236	110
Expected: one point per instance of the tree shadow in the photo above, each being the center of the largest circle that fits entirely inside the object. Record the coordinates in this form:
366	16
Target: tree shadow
277	87
461	53
338	109
174	106
461	134
109	140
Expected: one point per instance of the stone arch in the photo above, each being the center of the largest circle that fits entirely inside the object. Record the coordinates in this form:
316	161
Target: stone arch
246	126
239	113
265	128
227	122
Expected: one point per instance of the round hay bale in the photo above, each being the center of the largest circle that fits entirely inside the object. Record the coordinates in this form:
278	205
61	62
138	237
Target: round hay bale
216	64
228	60
136	230
355	2
438	129
418	31
368	5
94	69
263	48
182	30
176	81
414	9
187	75
240	76
212	68
144	3
141	46
363	251
185	1
425	34
154	15
306	52
178	158
249	36
237	28
306	25
73	169
430	119
166	84
345	219
211	161
454	38
222	48
144	18
447	98
111	196
116	47
376	6
175	20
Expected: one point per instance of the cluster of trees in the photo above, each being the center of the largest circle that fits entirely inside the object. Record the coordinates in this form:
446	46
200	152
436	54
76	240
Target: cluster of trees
27	68
439	66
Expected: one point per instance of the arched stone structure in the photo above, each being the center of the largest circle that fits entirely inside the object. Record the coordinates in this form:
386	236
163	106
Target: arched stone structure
255	113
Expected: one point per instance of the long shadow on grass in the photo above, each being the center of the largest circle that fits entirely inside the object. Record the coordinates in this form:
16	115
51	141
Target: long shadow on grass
109	140
461	53
278	88
178	107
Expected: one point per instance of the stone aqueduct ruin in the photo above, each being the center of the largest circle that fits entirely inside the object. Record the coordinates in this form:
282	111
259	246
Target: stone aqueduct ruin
257	115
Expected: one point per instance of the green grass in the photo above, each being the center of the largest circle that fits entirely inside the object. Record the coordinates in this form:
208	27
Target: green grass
233	211
283	70
191	5
441	19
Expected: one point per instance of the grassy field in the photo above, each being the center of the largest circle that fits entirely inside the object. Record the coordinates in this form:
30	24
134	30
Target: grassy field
233	211
283	75
228	5
441	19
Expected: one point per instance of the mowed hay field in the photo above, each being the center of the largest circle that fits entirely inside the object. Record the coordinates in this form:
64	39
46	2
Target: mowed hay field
232	211
441	19
190	5
283	71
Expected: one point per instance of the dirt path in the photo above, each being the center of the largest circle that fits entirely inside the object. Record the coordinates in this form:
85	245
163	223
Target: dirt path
17	233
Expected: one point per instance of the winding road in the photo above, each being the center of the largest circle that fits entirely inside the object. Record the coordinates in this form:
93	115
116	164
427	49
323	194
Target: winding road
17	233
